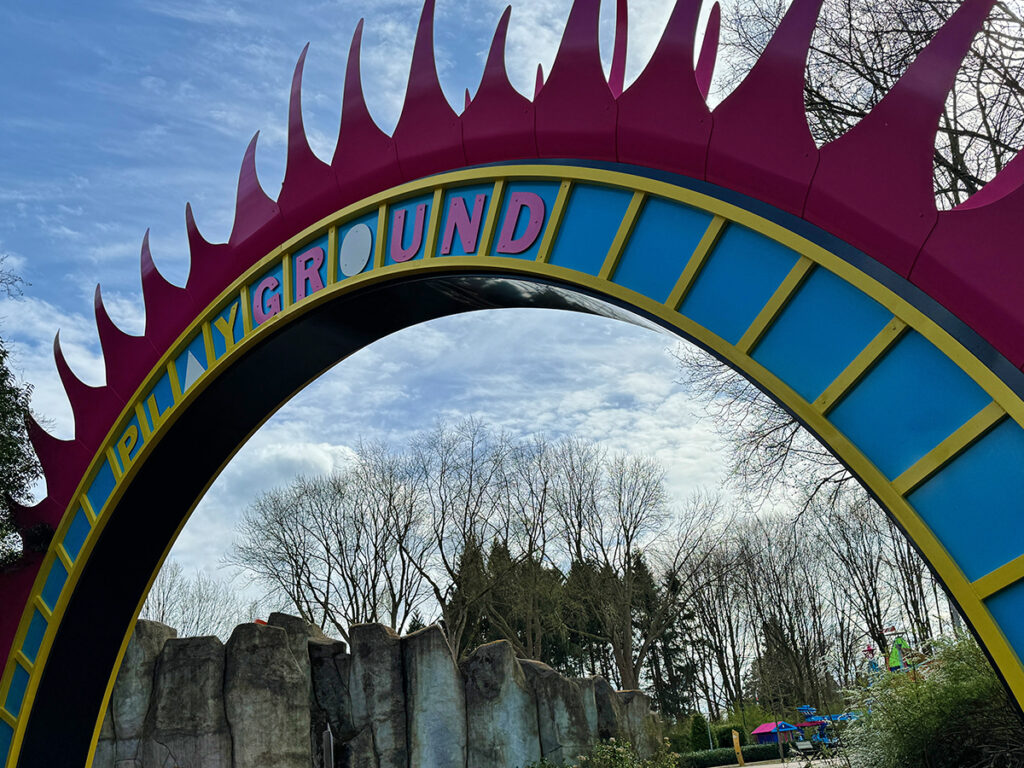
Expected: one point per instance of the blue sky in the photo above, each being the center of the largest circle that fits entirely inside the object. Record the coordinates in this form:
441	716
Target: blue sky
114	114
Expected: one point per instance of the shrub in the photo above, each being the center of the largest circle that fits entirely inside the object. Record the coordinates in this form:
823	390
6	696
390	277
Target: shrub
723	734
711	757
699	733
952	711
707	758
755	752
619	754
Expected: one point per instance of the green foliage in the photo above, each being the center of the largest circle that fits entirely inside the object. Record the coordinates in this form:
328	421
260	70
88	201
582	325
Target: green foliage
18	465
708	758
952	711
619	754
723	734
699	733
677	734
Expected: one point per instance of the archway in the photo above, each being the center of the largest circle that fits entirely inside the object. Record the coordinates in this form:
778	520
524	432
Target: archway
809	294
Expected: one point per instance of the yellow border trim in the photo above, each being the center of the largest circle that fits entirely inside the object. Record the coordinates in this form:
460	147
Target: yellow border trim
629	219
554	222
759	327
1000	578
905	316
861	365
494	205
697	260
435	223
974	429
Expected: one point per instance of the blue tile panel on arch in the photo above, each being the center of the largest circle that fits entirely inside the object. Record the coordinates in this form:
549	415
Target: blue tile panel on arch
54	583
665	236
1007	607
591	219
76	534
912	400
984	483
6	737
16	690
34	636
548	192
101	488
819	333
468	195
740	276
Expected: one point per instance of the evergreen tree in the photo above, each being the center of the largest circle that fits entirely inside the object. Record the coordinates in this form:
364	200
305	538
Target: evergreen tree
19	467
699	733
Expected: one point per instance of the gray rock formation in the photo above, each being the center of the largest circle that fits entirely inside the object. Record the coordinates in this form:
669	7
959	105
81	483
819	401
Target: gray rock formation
377	688
435	701
266	697
641	724
105	747
187	726
566	713
610	715
501	711
129	701
331	705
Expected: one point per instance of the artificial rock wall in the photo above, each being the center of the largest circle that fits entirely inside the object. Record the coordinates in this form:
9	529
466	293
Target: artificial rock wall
266	698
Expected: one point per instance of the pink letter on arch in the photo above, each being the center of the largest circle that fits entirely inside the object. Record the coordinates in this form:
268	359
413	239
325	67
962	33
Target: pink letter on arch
307	272
469	228
259	300
398	253
534	204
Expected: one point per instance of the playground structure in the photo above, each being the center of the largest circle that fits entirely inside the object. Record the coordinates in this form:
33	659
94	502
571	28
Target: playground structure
826	276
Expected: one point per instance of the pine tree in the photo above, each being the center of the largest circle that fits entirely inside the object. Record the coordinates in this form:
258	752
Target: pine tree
18	465
699	734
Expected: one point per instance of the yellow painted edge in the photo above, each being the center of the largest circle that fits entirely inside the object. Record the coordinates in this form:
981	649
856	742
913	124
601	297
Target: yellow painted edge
436	204
897	505
860	365
287	286
949	449
64	557
554	222
90	513
914	317
114	465
211	350
140	414
1001	578
491	220
625	231
382	236
332	257
247	324
696	261
8	718
789	286
43	608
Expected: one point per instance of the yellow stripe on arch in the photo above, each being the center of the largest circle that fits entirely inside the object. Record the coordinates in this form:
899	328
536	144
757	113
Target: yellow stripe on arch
723	214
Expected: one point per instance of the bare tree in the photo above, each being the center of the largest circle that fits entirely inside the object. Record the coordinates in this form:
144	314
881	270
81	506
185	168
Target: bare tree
861	48
196	605
340	549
